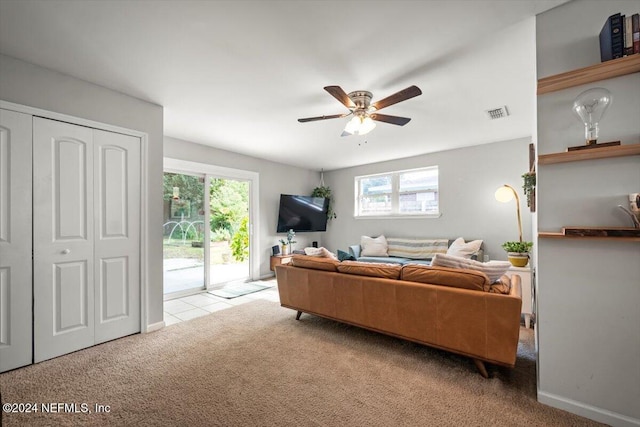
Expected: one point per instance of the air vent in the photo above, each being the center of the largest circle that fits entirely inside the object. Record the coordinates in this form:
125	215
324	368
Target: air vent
498	113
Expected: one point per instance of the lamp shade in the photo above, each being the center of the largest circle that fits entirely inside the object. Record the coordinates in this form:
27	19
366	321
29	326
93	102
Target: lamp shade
504	194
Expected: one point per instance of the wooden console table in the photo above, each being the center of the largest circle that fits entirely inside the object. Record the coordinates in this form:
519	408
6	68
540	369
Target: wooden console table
278	260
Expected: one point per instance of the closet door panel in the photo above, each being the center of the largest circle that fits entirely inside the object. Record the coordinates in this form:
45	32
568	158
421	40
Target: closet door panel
63	238
117	231
15	240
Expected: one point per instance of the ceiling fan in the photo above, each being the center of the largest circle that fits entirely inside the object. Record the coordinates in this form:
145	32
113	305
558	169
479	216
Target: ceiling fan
364	112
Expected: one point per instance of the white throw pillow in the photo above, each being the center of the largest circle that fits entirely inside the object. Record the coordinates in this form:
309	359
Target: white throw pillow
493	269
374	246
462	249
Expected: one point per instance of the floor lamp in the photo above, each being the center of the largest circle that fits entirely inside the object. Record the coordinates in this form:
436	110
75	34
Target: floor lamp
505	194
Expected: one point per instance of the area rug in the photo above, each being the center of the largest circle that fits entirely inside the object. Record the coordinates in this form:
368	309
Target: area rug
238	289
255	365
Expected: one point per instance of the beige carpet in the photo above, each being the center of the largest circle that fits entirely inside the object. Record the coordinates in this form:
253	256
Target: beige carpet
255	365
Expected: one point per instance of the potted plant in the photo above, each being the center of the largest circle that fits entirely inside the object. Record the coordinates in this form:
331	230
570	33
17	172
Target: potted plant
529	187
323	191
286	243
518	252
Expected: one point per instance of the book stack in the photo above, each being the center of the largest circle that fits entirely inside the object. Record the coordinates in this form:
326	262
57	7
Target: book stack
620	36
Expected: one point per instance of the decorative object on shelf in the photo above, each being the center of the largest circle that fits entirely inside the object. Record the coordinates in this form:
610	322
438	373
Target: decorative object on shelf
635	216
518	252
590	107
505	194
324	191
288	242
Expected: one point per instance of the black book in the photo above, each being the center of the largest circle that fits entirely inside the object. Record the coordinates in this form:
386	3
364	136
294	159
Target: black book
611	38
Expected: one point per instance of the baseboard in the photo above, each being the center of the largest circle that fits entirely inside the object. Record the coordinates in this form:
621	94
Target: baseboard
267	276
155	327
587	411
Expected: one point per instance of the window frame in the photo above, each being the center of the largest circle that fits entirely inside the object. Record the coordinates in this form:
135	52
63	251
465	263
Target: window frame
395	196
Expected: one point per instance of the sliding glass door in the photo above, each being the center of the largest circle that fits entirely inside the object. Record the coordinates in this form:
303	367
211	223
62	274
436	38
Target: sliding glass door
207	231
184	233
229	221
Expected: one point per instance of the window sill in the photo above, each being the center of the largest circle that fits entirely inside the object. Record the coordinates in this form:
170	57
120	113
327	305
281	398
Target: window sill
420	216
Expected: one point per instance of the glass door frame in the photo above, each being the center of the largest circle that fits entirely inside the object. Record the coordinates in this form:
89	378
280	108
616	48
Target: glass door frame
209	171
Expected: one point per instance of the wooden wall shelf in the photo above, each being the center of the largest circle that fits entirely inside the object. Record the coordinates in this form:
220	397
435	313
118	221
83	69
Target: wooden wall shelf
625	234
604	70
589	154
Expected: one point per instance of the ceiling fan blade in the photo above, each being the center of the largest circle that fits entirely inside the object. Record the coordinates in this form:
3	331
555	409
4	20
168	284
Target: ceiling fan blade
340	95
394	120
403	95
313	119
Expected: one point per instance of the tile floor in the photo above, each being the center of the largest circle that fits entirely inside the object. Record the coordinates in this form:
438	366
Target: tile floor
192	306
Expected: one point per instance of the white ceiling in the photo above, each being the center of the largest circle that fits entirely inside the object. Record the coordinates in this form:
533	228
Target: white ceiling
238	74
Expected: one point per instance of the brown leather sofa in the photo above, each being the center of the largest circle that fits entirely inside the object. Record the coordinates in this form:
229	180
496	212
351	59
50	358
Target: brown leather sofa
451	309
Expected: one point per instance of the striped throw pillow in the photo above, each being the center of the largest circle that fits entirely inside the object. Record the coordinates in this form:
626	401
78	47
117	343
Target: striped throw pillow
493	269
416	249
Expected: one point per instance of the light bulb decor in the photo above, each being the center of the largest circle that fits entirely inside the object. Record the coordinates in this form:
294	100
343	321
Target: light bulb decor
590	106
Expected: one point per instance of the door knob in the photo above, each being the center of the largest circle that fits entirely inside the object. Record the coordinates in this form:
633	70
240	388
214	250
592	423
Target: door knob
66	251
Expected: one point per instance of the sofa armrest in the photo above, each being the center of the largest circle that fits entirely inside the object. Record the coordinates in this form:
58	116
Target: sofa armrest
355	250
516	286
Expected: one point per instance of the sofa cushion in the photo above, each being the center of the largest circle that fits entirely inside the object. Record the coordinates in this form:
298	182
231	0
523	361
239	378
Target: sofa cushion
374	269
314	262
444	276
416	248
373	246
493	269
462	249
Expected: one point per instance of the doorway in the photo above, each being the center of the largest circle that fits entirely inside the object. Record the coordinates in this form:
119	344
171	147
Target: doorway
208	232
229	222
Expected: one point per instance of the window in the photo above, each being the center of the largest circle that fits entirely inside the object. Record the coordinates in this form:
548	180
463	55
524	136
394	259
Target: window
402	193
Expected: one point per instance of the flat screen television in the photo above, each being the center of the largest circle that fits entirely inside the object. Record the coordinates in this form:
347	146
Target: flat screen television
302	213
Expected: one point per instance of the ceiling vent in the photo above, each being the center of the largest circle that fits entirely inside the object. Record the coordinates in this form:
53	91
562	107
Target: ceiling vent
498	113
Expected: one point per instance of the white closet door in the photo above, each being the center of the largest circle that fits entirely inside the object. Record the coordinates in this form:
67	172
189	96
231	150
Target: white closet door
63	238
117	235
15	240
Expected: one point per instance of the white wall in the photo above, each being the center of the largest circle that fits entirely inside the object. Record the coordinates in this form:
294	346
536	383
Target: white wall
468	179
30	85
588	290
274	179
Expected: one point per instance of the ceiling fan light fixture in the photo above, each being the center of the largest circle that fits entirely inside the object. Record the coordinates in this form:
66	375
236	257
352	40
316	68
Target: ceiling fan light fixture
359	125
367	125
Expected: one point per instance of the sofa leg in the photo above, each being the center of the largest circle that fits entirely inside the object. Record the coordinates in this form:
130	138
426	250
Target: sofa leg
481	368
298	315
